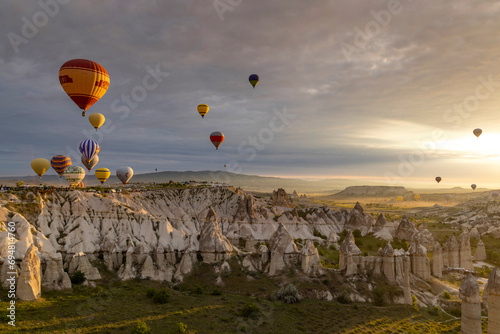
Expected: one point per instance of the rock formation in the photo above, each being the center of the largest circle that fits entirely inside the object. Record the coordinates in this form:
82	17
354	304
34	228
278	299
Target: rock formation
283	250
453	252
80	262
358	220
471	306
309	256
388	263
281	198
246	209
492	290
29	284
437	260
480	254
406	229
464	252
420	263
348	248
406	281
54	277
213	245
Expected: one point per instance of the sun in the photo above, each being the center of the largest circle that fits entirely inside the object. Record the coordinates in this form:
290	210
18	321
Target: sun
485	146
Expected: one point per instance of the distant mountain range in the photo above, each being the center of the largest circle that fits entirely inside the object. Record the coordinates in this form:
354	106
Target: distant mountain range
247	182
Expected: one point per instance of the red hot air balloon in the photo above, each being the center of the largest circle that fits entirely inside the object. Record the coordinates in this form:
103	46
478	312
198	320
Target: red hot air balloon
217	138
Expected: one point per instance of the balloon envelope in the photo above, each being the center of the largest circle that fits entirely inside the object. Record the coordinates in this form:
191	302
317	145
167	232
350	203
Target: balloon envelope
202	109
217	138
96	120
477	132
416	197
90	164
59	163
89	148
400	198
74	175
438	179
85	81
124	174
473	186
102	174
81	185
40	166
254	79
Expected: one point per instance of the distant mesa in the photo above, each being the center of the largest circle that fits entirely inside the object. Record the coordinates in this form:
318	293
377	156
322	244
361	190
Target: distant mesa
374	191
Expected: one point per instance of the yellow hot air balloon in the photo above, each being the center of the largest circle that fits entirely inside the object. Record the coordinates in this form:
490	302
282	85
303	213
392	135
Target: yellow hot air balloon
400	198
416	197
85	81
102	174
202	109
40	166
96	120
81	185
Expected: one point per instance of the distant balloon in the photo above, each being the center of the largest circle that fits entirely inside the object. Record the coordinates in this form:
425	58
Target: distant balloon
59	163
438	179
74	175
495	194
85	82
477	132
447	196
102	174
202	110
81	185
400	198
40	166
217	138
90	164
416	197
473	186
96	120
89	148
254	79
124	174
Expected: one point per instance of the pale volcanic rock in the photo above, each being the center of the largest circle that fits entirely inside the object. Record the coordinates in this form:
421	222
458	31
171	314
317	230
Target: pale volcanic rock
474	233
54	277
333	239
309	256
184	267
492	291
213	245
388	263
406	281
281	198
282	249
29	283
246	210
80	262
437	259
471	305
380	223
348	247
358	220
445	255
406	229
464	252
480	254
453	252
420	263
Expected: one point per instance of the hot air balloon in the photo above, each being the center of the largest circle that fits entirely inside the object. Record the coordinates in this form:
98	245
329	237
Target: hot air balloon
495	194
202	110
90	164
124	174
84	81
477	132
59	163
438	179
254	79
473	186
74	175
89	148
96	120
102	174
400	198
416	197
448	197
81	185
217	138
40	166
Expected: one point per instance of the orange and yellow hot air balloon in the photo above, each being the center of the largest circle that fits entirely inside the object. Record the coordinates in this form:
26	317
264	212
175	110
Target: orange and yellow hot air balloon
85	82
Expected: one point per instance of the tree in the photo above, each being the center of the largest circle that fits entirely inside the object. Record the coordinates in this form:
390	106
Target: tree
19	184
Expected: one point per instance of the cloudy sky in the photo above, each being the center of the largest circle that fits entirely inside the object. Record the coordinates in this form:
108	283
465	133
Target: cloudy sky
387	91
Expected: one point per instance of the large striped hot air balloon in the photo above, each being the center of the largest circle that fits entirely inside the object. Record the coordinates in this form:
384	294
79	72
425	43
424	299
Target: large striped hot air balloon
81	185
102	174
217	138
90	164
59	163
74	175
40	166
89	148
85	81
254	79
202	109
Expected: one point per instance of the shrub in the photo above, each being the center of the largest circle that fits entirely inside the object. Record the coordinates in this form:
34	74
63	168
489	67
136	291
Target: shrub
356	234
181	328
216	292
150	292
141	328
433	310
414	302
318	234
250	311
161	296
446	295
343	298
379	296
289	294
198	290
78	278
456	312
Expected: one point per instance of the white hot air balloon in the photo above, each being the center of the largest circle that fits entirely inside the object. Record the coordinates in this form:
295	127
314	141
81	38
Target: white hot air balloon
124	174
91	164
74	175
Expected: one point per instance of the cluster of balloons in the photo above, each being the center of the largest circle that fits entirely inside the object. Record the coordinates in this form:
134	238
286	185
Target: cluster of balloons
217	137
85	82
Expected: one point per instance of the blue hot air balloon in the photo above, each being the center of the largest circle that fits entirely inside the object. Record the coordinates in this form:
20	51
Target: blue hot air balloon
254	79
89	148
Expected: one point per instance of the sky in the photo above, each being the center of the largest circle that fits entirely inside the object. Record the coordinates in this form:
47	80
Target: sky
386	91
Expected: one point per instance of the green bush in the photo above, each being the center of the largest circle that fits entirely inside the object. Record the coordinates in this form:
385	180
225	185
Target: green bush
78	278
161	296
216	292
289	294
141	328
343	298
198	290
250	311
414	303
150	292
456	312
356	234
379	296
318	234
181	328
446	295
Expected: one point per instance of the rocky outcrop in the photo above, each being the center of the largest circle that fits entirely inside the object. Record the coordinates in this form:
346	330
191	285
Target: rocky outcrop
388	263
246	210
283	251
80	262
420	264
405	229
437	260
464	252
213	245
375	191
29	284
471	306
492	291
54	277
281	198
348	248
309	257
480	253
358	220
453	252
380	223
